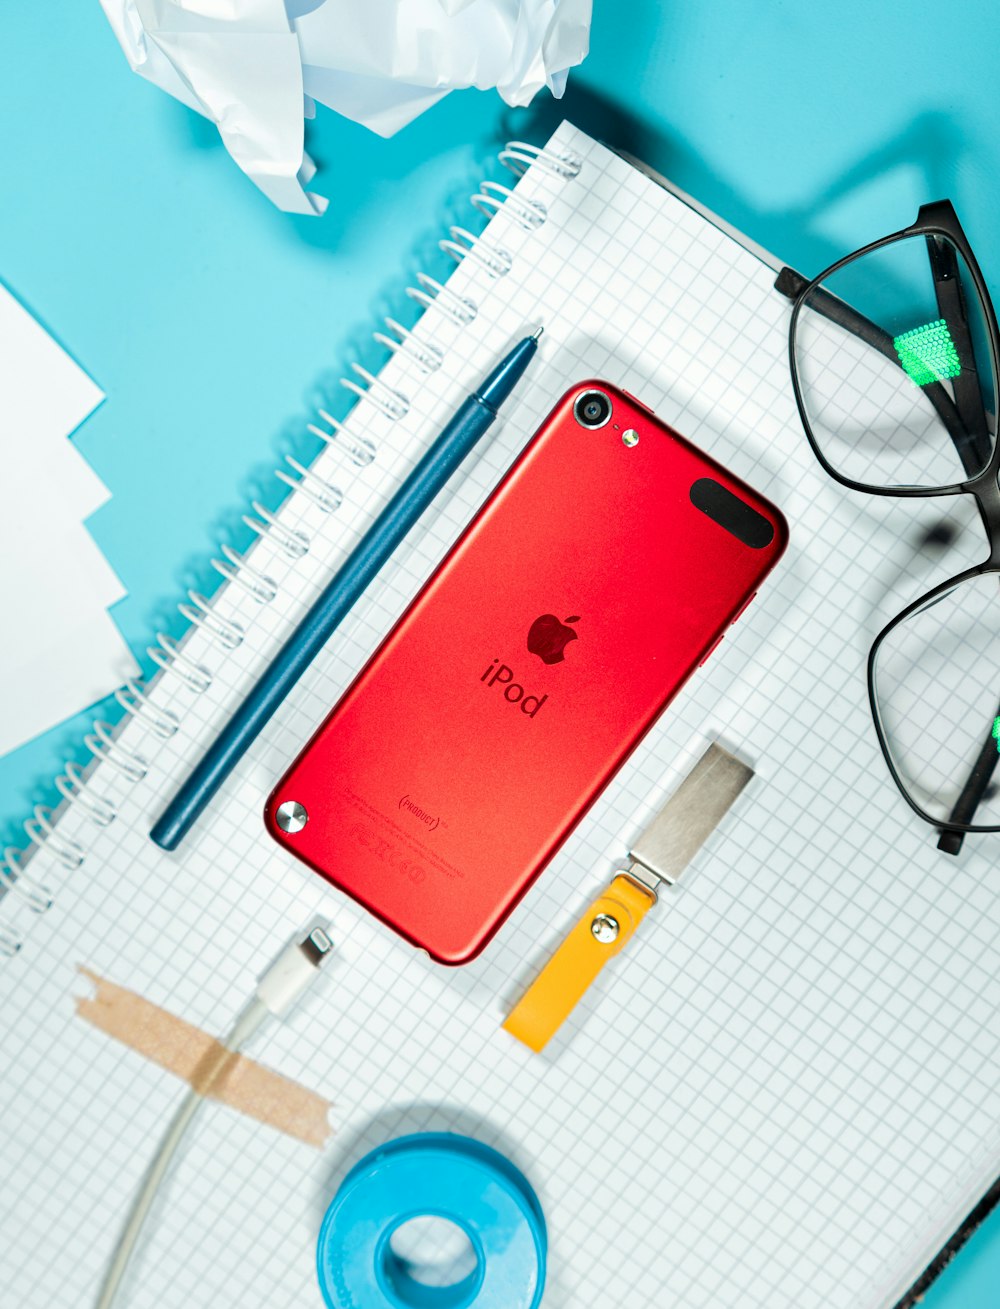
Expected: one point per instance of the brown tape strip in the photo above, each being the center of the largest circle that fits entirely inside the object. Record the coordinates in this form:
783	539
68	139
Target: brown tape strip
205	1063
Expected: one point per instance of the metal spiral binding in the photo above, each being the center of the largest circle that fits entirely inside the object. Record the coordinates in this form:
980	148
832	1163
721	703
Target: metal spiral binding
226	632
519	156
494	259
234	568
290	540
74	785
357	448
428	293
428	356
323	494
168	655
40	830
10	941
134	700
492	197
102	745
392	403
14	879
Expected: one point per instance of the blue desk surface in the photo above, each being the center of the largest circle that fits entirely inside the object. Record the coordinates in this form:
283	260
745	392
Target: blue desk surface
213	322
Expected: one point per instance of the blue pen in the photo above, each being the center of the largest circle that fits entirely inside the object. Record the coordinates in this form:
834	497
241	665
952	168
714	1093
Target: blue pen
468	425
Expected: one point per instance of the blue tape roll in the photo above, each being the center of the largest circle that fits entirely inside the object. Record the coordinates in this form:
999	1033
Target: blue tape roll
448	1176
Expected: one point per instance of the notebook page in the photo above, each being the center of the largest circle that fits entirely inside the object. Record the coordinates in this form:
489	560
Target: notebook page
783	1094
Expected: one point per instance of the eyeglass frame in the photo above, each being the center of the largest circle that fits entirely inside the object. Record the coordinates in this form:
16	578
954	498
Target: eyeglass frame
936	219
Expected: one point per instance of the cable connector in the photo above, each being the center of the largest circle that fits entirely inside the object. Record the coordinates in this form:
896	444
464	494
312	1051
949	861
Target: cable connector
284	982
294	970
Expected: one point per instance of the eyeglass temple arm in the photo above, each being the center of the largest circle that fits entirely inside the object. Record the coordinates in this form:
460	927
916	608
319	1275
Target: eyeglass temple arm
971	796
972	410
791	285
952	308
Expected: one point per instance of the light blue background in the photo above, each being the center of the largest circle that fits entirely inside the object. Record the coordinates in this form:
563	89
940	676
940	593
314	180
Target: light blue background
214	322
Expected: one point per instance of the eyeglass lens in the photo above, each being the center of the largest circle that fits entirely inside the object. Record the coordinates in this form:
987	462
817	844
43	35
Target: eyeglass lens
894	367
936	680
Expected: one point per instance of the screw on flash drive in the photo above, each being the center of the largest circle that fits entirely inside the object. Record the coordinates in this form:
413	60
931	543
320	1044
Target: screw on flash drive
661	853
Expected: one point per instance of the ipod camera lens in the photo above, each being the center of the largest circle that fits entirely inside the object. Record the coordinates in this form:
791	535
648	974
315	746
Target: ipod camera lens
592	409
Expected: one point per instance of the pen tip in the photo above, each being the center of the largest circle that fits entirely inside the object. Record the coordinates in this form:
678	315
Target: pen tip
537	333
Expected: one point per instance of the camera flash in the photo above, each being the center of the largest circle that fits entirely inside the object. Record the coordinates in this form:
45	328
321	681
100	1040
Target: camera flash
630	437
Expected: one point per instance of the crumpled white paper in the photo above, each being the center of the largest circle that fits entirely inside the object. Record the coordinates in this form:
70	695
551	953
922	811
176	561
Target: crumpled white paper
255	67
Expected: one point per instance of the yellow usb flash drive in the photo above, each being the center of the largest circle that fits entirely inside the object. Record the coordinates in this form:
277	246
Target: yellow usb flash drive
662	852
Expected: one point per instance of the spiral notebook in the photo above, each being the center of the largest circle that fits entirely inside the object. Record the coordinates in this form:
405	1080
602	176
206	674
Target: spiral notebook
786	1093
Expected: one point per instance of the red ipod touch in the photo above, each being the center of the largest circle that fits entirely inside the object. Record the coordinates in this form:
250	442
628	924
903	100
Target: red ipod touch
599	574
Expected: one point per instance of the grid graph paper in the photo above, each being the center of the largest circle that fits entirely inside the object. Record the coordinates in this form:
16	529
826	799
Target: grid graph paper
784	1094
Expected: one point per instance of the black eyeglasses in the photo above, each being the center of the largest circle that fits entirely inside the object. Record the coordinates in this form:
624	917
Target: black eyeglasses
893	353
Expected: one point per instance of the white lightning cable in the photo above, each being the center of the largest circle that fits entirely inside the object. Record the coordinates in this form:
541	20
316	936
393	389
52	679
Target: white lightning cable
277	991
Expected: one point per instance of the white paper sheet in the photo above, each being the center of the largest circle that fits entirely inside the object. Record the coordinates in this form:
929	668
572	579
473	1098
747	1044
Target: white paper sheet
254	67
61	650
48	691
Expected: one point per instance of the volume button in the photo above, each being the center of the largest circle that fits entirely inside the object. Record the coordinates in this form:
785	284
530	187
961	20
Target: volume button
746	606
711	651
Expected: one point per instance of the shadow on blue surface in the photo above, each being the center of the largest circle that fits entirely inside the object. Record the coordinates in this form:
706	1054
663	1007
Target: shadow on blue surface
930	146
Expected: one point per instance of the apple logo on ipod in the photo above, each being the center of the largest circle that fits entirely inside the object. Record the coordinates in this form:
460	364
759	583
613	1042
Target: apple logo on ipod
548	637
